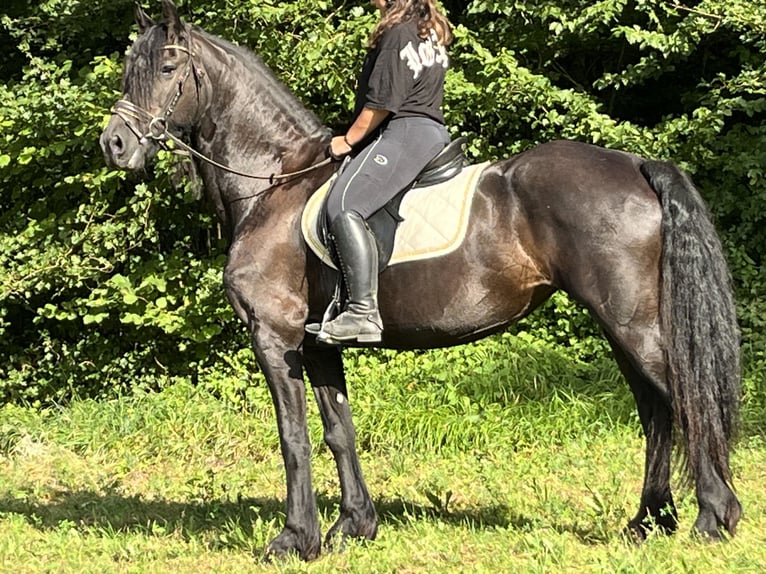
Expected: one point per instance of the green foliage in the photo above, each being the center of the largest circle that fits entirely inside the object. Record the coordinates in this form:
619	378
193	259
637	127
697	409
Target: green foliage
99	287
106	282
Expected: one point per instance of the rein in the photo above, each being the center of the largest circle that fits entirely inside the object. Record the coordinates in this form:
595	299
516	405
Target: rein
186	147
157	129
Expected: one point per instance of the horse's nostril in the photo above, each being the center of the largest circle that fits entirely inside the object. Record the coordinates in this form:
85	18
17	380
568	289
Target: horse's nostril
115	145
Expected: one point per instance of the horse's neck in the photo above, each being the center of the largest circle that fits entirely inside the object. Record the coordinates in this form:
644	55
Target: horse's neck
248	126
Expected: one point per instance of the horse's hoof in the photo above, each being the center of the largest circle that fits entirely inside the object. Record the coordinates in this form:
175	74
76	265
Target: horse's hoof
707	528
719	521
635	532
356	526
289	543
712	537
639	529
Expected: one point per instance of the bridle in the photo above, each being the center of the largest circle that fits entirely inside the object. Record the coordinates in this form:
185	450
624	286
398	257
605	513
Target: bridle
157	129
157	126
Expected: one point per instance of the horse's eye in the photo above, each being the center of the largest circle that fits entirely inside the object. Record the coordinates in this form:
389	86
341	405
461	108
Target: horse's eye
168	69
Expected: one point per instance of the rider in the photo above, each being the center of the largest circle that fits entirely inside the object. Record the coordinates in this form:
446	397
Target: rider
398	128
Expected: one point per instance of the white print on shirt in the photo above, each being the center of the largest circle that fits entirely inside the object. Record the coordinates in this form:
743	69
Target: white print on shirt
428	54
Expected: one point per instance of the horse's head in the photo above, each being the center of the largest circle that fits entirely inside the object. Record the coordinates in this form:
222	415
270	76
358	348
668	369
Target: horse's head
160	90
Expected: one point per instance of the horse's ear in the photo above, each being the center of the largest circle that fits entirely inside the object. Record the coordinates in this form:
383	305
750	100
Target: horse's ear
172	19
142	19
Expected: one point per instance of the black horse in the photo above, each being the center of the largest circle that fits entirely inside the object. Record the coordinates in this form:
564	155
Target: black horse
627	237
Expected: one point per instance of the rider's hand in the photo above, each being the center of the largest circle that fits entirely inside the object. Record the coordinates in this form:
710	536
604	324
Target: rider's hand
339	147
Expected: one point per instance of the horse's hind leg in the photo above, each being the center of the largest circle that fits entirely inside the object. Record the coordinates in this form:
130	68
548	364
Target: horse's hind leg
646	380
718	505
358	519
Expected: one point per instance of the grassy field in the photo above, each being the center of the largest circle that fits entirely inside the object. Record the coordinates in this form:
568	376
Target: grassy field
524	467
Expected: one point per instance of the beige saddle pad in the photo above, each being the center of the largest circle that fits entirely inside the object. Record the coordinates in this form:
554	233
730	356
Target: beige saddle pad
435	218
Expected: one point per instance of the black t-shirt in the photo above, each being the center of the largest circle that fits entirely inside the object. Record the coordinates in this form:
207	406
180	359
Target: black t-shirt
404	74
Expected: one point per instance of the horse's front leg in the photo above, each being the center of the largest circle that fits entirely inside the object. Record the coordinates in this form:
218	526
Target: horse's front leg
357	519
282	367
276	328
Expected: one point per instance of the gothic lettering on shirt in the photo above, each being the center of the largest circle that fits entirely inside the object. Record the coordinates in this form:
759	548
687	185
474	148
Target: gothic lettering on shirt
426	55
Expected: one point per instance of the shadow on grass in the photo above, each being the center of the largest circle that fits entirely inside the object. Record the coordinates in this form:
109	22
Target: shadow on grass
113	513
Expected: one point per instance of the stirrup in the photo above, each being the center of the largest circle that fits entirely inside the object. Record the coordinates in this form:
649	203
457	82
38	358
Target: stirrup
332	311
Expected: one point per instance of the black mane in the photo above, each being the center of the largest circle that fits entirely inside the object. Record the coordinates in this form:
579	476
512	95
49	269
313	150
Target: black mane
268	81
143	62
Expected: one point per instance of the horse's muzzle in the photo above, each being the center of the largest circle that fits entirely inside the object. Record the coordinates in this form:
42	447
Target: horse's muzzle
122	149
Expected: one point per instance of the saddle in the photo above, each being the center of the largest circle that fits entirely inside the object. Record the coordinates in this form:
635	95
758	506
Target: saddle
383	223
444	166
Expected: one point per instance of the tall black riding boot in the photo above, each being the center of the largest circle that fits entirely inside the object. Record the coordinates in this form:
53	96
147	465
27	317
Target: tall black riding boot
358	254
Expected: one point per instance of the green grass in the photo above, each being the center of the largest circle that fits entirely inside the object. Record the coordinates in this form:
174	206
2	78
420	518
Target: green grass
538	473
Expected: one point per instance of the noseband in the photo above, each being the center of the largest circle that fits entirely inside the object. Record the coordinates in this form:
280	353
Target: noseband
157	126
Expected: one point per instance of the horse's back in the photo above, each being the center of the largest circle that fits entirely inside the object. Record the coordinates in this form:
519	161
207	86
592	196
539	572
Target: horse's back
570	171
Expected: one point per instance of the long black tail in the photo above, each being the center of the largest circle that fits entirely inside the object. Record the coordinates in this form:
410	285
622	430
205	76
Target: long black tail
698	321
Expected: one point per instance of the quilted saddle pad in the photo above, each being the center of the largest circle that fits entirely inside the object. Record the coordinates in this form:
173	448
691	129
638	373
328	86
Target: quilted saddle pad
435	218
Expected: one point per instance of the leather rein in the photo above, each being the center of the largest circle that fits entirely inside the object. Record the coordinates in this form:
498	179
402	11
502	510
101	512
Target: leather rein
157	129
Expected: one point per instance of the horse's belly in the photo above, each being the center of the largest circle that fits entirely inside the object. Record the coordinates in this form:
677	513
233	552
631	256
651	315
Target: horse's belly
457	308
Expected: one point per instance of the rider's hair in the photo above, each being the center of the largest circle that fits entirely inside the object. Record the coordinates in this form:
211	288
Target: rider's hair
425	12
